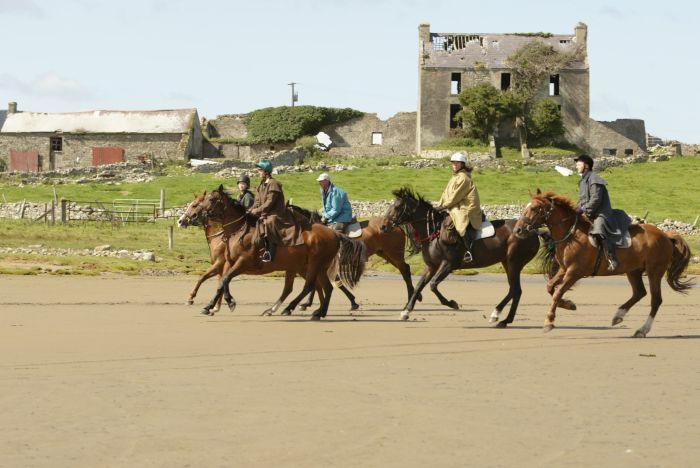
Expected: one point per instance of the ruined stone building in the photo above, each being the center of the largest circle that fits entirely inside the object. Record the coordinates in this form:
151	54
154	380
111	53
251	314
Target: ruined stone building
37	141
451	62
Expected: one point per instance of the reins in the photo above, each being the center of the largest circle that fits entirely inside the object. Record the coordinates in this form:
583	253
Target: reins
223	226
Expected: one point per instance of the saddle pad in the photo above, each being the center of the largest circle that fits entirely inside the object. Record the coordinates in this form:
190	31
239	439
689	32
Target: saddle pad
487	230
354	230
625	243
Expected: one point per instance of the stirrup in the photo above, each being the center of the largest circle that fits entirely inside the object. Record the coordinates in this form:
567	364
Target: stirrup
467	257
612	264
266	257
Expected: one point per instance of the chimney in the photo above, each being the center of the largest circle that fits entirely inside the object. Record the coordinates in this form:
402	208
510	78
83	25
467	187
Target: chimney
11	107
424	32
581	34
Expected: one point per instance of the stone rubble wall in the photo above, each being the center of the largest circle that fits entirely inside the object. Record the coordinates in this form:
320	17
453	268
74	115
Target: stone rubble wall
99	251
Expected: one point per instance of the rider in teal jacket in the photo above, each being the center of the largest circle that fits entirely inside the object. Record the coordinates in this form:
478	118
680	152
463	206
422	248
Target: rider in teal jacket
336	207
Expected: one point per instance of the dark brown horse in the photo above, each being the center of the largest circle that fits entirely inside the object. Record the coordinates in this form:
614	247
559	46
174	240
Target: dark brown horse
390	246
441	256
652	252
323	254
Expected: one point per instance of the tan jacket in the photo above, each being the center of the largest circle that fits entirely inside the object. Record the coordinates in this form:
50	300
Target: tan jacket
461	198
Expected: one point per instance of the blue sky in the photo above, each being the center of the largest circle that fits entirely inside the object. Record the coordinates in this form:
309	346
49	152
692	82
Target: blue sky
234	56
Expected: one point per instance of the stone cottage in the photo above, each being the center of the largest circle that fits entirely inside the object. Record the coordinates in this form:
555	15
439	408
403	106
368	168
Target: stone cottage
451	62
37	141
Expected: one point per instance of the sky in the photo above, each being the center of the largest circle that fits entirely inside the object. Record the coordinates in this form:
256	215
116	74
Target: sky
230	57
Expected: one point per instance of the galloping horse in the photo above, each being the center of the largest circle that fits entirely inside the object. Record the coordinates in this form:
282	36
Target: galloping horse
389	245
441	257
323	252
652	252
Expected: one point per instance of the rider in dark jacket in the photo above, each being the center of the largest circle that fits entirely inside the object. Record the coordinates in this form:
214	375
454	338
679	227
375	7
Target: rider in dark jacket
245	196
594	202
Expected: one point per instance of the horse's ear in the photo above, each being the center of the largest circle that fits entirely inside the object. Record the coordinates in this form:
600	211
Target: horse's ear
539	192
221	188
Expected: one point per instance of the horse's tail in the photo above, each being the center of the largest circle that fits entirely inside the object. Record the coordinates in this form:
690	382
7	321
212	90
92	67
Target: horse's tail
679	262
549	264
350	261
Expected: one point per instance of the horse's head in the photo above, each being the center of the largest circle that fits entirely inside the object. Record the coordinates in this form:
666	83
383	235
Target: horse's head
540	212
404	210
219	205
193	213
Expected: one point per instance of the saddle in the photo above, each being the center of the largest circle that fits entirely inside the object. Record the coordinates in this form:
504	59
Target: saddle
449	234
620	237
353	229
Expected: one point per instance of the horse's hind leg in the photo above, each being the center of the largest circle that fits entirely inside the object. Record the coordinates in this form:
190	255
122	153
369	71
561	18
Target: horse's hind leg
499	308
638	292
655	289
351	297
308	303
288	284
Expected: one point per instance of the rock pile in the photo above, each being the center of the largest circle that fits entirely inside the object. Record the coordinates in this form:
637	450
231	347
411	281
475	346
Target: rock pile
99	251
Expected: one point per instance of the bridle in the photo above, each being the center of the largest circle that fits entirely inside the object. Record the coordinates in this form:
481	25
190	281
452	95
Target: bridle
544	214
404	219
206	218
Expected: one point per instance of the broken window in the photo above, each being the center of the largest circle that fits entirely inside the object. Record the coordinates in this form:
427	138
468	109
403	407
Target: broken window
629	152
56	144
452	42
454	109
505	81
609	151
564	41
554	85
376	138
456	84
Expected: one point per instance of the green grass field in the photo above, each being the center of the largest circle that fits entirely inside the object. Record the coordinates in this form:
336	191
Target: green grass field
664	190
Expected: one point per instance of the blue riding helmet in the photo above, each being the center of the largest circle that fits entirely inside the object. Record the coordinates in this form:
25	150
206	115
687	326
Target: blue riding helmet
265	165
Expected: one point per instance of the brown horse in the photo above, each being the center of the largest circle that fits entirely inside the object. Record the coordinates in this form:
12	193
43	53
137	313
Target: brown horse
323	252
441	256
216	236
652	252
389	245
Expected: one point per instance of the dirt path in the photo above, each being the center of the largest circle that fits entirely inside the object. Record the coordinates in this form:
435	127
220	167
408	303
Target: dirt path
115	371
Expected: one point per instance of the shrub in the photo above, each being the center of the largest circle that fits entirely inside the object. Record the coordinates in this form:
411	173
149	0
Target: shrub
545	122
285	124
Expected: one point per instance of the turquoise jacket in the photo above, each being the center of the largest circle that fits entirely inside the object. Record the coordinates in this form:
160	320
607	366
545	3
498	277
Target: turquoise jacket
336	206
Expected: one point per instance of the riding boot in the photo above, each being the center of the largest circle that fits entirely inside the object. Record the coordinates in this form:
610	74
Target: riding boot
612	258
269	252
467	247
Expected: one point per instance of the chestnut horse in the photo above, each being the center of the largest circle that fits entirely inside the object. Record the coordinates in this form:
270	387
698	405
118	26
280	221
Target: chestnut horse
388	245
441	257
652	252
323	252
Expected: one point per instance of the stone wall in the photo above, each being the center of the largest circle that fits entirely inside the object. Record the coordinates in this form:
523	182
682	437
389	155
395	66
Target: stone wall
230	125
354	137
690	150
602	136
77	148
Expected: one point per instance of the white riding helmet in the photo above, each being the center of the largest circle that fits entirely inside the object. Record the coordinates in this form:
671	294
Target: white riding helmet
459	157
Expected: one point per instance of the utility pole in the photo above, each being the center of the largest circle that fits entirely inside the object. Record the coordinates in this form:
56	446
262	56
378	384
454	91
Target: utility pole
295	95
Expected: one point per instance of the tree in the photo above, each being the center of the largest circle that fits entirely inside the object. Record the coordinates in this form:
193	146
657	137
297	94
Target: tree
531	65
483	108
545	121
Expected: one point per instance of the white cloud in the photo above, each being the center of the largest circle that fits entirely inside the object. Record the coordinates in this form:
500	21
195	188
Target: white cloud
47	85
28	7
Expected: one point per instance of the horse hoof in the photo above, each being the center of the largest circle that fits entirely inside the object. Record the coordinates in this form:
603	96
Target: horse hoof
232	307
303	307
494	316
501	324
639	334
453	305
266	313
419	297
189	302
206	312
315	318
616	320
566	304
286	312
404	315
547	328
354	307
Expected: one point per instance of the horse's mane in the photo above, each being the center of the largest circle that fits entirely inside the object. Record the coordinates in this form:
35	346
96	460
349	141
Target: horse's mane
226	195
407	192
559	200
308	214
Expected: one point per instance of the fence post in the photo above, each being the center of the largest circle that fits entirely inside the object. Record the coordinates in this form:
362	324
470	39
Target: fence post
21	208
162	201
170	237
64	210
53	212
46	213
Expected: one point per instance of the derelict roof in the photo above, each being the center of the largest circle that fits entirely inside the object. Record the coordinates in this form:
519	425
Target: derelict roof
467	50
101	121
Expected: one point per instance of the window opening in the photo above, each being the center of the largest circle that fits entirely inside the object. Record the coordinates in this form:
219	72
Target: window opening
456	83
56	144
505	81
554	85
377	138
454	109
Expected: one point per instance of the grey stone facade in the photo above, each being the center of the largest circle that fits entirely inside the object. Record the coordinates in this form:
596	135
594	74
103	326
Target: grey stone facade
369	135
449	63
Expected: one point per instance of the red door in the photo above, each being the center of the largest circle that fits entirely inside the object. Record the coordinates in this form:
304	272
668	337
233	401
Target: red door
24	161
107	155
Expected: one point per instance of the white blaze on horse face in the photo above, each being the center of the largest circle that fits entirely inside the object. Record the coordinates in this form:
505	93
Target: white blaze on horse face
181	220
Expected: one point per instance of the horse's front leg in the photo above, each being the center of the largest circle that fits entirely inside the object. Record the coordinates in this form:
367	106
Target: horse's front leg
307	304
288	284
428	274
552	285
216	268
235	270
570	277
443	270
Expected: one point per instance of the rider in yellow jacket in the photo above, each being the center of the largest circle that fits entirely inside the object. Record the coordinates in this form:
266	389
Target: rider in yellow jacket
461	199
